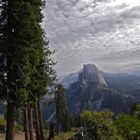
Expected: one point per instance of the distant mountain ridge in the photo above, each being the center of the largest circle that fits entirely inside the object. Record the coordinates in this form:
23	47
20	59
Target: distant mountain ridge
127	82
69	79
92	89
87	90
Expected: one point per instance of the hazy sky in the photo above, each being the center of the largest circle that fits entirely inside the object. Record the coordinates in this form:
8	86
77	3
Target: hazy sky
103	32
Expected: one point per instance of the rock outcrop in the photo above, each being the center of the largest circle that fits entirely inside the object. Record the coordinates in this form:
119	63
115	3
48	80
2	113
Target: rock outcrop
91	92
91	73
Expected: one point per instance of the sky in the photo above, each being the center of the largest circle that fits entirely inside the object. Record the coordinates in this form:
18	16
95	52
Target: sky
102	32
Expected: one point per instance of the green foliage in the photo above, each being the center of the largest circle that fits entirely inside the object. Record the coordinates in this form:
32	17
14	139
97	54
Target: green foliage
46	125
2	125
24	58
26	67
128	126
135	110
63	116
66	122
18	128
102	122
2	122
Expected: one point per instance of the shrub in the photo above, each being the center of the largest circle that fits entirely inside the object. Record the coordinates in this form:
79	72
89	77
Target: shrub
102	123
128	126
2	125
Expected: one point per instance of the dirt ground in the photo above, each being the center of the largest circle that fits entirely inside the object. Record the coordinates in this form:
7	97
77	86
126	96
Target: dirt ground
17	137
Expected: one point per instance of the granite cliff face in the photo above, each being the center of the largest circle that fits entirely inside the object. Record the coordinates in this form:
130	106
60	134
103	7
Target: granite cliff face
91	92
91	73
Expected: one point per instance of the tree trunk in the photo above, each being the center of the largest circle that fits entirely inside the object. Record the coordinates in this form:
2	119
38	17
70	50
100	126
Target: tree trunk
38	136
26	124
30	118
10	121
40	120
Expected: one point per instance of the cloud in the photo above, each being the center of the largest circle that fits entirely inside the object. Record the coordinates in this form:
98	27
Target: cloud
93	31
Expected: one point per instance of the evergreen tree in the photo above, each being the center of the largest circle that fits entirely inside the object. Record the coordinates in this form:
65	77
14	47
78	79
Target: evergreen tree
62	114
25	63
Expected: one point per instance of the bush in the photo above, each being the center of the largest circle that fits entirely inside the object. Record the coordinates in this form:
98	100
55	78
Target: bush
2	125
128	126
102	123
18	128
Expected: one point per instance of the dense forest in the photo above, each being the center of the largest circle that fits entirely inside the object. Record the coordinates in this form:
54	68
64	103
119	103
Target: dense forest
27	76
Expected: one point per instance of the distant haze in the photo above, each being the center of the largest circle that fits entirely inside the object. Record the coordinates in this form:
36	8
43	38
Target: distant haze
103	32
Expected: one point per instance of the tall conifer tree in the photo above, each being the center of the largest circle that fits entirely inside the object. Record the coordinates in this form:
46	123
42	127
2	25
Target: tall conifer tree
62	114
26	64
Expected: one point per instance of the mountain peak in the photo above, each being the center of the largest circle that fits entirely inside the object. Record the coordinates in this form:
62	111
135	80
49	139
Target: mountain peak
90	67
91	73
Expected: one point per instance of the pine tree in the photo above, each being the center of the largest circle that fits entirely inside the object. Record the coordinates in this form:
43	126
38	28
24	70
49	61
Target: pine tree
43	78
62	114
27	68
